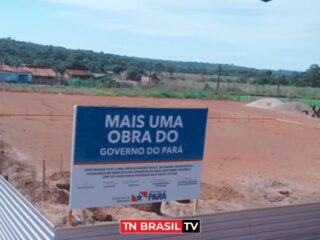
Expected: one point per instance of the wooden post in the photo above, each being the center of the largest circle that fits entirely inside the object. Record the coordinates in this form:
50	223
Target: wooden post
44	173
61	164
27	115
195	206
1	156
34	182
69	221
51	117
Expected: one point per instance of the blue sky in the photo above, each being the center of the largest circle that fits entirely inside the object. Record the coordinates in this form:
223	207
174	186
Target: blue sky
281	34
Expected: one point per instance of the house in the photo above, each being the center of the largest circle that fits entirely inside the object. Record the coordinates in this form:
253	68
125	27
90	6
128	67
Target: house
13	74
18	77
30	74
44	75
149	81
81	73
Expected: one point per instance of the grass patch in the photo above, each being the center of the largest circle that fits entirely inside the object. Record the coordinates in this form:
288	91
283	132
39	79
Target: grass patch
162	91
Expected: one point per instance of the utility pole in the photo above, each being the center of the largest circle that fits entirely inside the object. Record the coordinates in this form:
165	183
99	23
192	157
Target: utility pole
218	80
278	83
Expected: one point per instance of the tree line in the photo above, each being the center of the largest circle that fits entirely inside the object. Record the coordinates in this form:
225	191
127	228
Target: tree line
16	53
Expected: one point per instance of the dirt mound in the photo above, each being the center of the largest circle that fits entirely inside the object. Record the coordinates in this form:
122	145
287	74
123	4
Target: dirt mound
222	192
295	107
277	105
266	103
52	195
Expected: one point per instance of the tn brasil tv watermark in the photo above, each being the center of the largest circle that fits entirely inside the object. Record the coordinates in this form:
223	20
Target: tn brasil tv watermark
161	226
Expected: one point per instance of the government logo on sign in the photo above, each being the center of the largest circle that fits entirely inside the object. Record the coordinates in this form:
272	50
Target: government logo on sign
149	196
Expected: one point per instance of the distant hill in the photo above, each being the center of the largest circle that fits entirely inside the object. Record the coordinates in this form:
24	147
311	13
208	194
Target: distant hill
16	53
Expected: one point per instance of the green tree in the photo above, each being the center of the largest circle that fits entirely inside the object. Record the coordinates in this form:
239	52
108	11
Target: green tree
312	75
171	69
159	68
134	73
117	69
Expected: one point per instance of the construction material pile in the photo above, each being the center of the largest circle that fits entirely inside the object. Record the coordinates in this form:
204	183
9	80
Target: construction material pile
277	105
267	103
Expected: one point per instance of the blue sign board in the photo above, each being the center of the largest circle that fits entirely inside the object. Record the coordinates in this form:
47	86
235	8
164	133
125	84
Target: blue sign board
121	134
127	155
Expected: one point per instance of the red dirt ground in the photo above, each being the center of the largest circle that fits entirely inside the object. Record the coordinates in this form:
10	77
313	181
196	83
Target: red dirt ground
236	150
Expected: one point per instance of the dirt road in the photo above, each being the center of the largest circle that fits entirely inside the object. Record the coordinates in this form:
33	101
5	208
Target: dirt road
243	151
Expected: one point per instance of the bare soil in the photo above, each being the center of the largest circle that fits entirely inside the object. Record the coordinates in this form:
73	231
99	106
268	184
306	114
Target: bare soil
253	157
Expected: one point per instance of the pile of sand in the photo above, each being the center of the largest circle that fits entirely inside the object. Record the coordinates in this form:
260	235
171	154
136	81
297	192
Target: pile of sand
267	103
277	105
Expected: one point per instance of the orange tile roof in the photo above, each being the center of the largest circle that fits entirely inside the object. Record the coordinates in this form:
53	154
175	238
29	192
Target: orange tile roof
35	71
77	72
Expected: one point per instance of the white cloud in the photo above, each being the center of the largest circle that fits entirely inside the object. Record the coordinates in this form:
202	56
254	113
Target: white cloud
280	25
219	20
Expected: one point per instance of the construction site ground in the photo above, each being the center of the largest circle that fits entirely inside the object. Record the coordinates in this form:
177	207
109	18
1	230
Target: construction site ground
253	157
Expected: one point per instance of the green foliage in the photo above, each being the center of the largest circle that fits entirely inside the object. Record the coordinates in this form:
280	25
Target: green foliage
76	86
312	76
159	68
171	69
90	83
118	69
16	53
134	73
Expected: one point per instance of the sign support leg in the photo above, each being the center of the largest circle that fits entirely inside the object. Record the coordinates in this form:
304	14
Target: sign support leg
44	173
195	206
69	221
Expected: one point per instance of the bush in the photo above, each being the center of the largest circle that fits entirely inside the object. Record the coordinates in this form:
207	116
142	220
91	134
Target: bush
91	83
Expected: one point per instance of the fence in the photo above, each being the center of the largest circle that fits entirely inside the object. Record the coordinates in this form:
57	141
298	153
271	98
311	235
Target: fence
20	220
213	115
281	223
